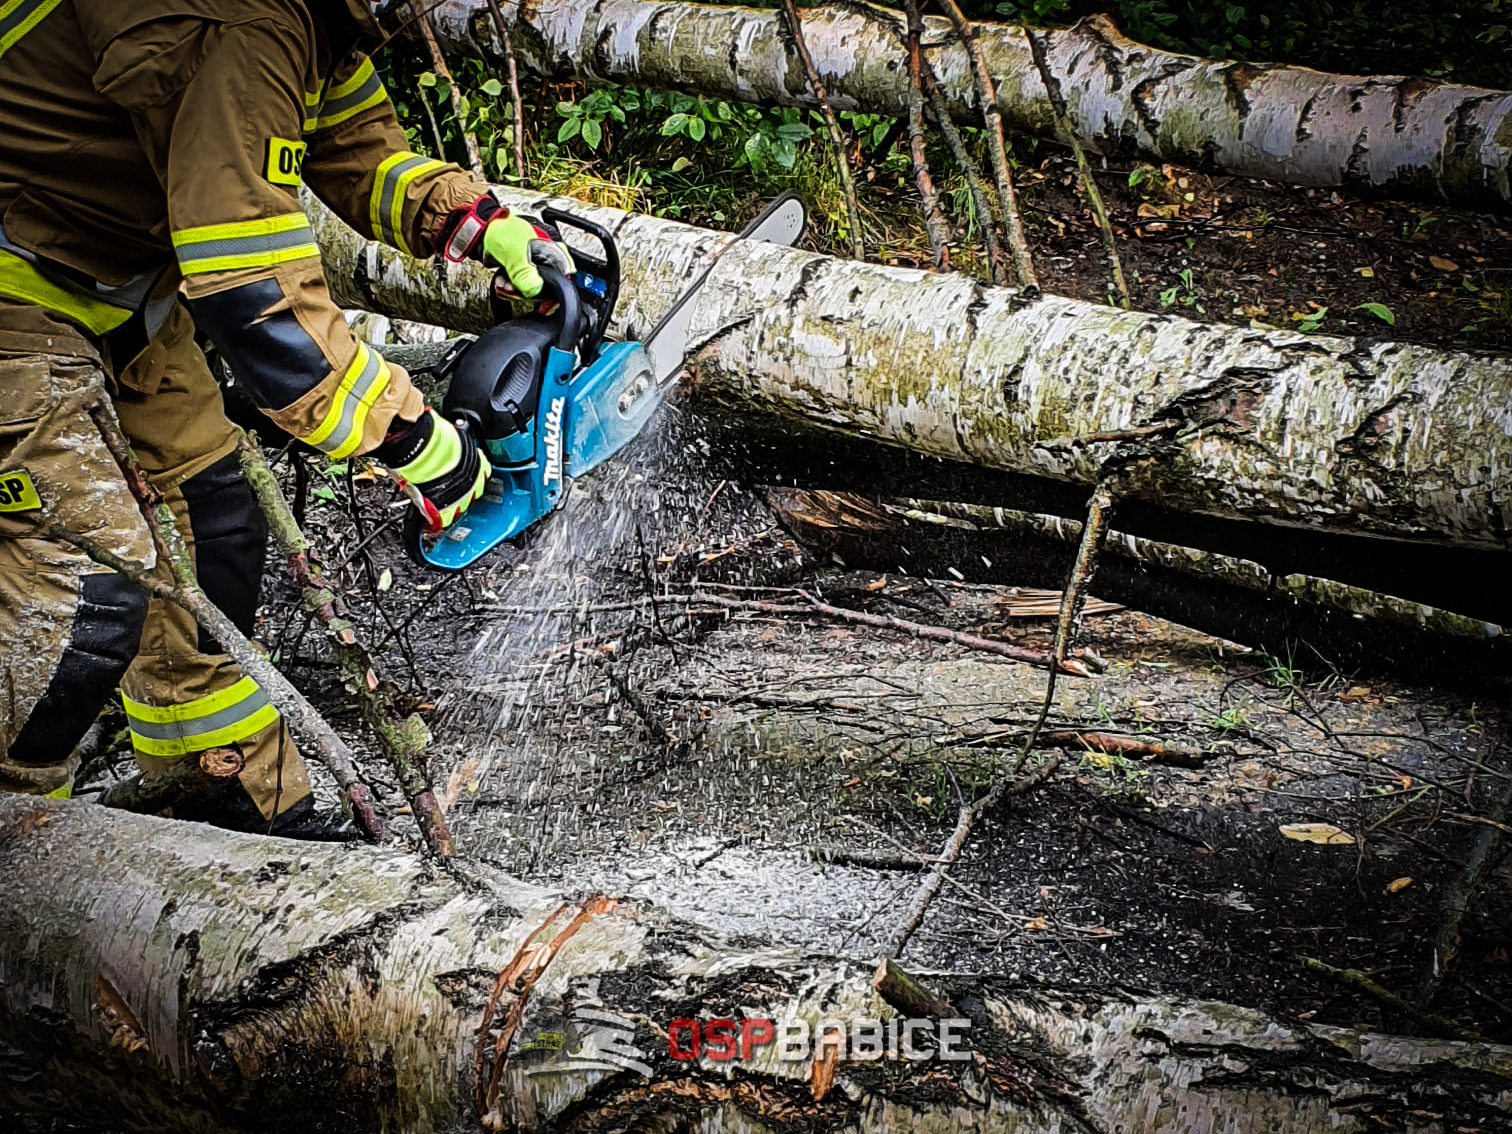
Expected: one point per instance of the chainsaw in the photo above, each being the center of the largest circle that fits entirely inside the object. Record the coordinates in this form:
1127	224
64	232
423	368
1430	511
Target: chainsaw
549	400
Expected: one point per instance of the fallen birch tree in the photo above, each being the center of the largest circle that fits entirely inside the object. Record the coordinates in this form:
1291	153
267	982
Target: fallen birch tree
1406	137
1309	435
162	976
1228	597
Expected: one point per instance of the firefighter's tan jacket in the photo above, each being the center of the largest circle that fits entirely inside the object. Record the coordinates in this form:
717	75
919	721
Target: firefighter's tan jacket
147	145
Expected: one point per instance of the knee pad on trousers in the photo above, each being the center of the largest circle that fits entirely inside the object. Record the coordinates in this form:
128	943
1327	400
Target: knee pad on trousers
107	628
230	543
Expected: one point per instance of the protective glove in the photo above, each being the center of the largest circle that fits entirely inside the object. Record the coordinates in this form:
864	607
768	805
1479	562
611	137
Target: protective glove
441	469
488	232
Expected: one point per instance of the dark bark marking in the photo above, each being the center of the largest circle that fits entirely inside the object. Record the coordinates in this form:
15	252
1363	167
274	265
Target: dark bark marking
732	59
1462	136
1355	172
1304	120
1009	386
1237	79
653	25
1230	398
1370	435
811	271
600	54
362	279
1405	97
1103	35
1141	96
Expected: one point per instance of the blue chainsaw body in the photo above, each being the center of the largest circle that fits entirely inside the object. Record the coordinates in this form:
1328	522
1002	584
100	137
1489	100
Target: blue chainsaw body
583	419
548	400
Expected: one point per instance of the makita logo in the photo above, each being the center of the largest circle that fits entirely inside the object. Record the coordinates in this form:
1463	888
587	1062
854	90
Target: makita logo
554	441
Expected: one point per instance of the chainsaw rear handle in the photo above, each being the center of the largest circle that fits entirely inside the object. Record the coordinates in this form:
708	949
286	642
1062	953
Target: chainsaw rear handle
606	269
567	295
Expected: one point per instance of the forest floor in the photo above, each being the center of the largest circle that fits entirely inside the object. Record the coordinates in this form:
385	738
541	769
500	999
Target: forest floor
738	768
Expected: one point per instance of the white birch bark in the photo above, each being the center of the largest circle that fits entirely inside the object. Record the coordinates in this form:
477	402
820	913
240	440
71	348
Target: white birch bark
253	984
1406	137
1337	434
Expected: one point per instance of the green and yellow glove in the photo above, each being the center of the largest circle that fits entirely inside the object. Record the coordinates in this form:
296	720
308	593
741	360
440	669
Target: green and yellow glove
441	469
488	232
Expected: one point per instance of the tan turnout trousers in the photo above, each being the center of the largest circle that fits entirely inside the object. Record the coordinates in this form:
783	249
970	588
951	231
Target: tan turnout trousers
72	628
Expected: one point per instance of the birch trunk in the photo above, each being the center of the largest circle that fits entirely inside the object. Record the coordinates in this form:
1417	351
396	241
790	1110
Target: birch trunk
1344	435
166	977
1407	137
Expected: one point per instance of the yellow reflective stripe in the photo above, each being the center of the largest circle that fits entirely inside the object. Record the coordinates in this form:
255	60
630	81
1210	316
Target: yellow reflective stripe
20	280
361	90
340	431
352	81
390	182
244	244
220	718
19	17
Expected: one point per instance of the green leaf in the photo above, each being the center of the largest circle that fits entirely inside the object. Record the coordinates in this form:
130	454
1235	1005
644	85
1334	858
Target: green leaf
493	88
569	129
696	129
673	124
1380	311
787	153
795	131
427	79
680	164
593	133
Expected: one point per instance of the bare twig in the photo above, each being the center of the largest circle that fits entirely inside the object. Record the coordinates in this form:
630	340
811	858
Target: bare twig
516	105
906	994
1459	894
934	219
1354	978
951	851
972	173
1081	663
1094	536
1089	185
870	858
992	116
837	139
1116	744
438	64
402	741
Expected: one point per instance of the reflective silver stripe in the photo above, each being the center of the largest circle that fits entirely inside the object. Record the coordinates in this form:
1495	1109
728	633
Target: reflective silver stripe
340	437
193	727
336	106
391	182
244	245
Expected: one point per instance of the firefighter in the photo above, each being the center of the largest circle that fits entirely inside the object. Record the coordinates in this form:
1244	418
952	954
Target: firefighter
151	156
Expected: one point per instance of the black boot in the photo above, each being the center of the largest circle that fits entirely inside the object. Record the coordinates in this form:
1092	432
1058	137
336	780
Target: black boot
229	807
